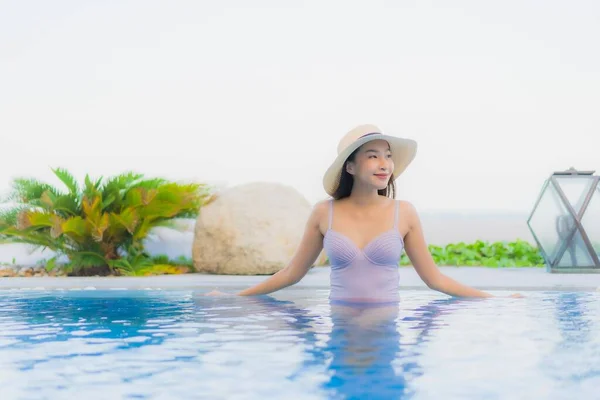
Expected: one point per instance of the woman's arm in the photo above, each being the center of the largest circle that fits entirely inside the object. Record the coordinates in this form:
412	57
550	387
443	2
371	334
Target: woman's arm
307	252
417	251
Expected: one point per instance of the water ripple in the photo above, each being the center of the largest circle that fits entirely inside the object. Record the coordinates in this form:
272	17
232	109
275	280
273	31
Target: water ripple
182	345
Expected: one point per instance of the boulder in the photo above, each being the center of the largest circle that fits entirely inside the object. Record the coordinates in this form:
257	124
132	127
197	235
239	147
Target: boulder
251	229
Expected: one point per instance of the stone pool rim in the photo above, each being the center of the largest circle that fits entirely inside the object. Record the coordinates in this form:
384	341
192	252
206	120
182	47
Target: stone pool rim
484	278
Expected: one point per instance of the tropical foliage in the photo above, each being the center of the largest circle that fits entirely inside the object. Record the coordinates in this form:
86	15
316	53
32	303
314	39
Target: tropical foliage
144	265
498	254
99	225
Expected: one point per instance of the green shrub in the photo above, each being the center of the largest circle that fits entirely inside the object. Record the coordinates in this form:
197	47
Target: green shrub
100	226
144	265
498	254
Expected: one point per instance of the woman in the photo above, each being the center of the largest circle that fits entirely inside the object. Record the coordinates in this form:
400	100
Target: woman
362	228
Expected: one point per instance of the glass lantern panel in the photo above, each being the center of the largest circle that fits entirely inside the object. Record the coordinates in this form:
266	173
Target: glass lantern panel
576	254
550	222
591	221
575	189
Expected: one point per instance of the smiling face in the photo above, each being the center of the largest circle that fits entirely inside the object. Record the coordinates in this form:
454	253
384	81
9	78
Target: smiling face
372	165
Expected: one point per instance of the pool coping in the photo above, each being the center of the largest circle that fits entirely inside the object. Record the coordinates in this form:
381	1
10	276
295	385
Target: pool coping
522	279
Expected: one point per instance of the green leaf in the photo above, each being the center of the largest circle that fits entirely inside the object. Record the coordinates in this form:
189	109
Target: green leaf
129	218
29	190
134	198
50	264
67	179
38	219
75	226
108	201
87	259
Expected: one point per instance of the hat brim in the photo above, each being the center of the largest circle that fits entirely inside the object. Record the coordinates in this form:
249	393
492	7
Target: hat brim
403	152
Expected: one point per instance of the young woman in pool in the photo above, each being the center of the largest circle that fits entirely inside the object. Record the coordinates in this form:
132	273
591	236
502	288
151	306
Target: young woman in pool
362	228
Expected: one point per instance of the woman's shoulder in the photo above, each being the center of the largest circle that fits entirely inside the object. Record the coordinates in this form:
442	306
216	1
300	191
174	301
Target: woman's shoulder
320	210
406	205
320	215
408	211
322	207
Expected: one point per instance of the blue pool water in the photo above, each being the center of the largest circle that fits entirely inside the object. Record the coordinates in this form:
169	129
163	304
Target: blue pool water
157	344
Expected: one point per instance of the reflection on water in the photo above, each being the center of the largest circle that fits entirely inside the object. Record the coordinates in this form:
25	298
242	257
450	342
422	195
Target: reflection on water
180	344
577	316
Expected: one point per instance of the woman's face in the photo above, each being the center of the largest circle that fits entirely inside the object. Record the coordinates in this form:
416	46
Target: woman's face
372	164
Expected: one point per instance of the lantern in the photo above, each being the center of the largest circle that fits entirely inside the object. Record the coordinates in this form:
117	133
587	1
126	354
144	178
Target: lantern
565	222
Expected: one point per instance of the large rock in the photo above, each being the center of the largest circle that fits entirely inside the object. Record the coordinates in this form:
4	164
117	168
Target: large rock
250	229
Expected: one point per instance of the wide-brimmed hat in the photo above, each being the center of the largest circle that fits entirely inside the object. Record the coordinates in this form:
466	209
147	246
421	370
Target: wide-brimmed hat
403	152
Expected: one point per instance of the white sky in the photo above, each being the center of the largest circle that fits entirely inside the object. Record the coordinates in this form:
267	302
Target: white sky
498	94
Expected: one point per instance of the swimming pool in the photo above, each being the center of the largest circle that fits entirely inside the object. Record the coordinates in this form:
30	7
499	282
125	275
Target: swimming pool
178	344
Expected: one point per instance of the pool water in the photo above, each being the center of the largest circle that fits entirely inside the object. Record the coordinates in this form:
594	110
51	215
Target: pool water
153	344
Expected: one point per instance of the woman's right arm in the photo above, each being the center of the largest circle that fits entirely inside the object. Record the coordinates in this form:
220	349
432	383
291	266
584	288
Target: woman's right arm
306	254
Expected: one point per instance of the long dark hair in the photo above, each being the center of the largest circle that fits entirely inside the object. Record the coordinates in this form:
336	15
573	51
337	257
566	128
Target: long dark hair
347	181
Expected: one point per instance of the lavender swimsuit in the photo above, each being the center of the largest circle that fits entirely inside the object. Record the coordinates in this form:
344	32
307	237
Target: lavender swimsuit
369	274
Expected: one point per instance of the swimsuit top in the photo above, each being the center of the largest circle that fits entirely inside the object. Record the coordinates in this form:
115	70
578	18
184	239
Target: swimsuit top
369	274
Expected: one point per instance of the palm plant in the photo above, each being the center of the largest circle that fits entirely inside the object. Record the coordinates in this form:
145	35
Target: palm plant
100	225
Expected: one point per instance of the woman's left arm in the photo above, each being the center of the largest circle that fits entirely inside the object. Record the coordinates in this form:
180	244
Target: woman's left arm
417	251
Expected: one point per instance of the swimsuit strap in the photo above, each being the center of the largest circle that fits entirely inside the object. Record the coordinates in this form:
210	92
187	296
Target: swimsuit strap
330	212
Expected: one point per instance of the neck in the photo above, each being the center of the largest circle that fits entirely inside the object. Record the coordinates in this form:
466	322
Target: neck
364	196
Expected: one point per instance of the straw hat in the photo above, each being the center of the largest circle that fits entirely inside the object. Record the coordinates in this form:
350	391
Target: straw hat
403	152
